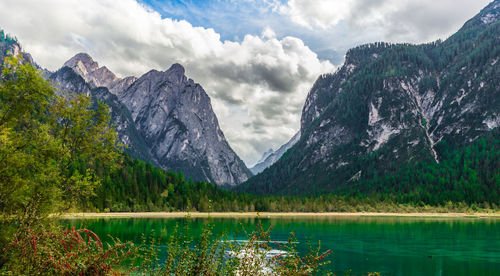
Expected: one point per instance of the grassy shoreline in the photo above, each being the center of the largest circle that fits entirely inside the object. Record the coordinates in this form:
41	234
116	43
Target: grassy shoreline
273	215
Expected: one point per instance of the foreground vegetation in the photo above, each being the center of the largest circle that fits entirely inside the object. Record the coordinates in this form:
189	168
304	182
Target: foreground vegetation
42	139
53	250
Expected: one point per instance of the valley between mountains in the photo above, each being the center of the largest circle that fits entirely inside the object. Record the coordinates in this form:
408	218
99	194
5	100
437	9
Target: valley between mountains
400	119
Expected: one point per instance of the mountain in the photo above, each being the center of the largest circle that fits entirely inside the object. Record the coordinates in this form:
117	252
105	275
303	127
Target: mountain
10	46
97	76
69	81
265	155
163	117
175	117
270	157
392	106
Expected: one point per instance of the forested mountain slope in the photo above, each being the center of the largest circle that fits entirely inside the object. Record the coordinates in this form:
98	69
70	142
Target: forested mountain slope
395	106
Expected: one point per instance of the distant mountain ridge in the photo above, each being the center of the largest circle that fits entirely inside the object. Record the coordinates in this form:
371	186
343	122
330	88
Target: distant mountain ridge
393	104
270	157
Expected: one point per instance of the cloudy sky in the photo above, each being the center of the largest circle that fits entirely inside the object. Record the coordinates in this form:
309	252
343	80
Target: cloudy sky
257	59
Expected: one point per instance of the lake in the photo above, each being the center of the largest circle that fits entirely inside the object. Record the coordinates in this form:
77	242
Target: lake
390	245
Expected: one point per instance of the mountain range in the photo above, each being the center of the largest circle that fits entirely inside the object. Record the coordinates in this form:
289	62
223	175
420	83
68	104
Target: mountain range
391	109
162	117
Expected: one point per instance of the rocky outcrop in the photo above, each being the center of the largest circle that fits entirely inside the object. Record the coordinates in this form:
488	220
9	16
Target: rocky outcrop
175	117
90	71
68	81
9	46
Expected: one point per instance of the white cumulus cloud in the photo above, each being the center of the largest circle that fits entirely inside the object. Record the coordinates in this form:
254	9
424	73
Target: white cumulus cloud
390	20
257	86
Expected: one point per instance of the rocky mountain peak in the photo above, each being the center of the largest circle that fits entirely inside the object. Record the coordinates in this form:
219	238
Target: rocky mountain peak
265	155
270	157
176	118
82	63
85	66
163	117
175	73
176	67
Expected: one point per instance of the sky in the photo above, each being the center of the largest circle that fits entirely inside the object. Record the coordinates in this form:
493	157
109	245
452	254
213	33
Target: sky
256	59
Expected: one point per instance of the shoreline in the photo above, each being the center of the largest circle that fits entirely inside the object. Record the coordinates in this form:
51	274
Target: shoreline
273	215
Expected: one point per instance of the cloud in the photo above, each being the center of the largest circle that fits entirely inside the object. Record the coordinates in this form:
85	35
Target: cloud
258	85
319	13
392	20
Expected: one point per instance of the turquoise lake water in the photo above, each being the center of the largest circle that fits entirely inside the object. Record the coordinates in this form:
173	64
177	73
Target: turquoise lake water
389	245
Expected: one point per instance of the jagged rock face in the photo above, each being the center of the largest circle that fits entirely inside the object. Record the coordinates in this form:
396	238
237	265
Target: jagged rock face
175	117
121	85
97	76
68	82
8	47
11	47
163	118
270	157
90	71
394	103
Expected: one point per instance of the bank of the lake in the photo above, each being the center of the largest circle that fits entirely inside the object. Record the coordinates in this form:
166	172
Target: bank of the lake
273	215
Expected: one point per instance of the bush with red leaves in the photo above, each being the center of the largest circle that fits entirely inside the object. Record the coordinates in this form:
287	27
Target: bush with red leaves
58	251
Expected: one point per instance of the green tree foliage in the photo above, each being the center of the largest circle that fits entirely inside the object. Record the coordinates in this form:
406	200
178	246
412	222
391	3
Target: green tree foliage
465	176
43	140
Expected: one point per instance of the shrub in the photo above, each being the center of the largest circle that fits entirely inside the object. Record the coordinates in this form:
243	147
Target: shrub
211	254
58	251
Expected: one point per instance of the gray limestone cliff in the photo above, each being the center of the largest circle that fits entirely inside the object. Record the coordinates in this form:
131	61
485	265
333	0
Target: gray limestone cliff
175	117
172	115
